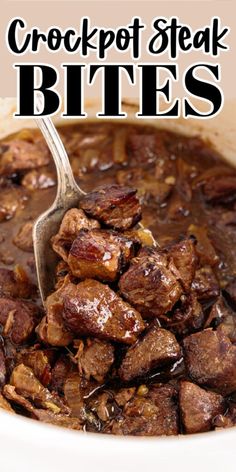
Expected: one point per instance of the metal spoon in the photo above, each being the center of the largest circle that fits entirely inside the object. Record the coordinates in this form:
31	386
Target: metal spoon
47	225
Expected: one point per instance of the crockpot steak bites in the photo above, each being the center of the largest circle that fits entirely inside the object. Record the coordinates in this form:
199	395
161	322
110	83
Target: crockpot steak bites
135	339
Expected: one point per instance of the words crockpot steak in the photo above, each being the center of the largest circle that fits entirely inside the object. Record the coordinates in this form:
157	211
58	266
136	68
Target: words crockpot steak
134	340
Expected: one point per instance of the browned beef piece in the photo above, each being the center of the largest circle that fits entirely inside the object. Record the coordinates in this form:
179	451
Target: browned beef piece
23	239
18	155
39	361
73	221
51	329
99	254
18	319
116	206
150	284
12	199
158	348
95	359
16	283
205	285
204	247
145	149
27	385
224	317
185	260
60	371
39	179
220	189
94	309
186	318
198	407
155	414
230	293
2	367
211	360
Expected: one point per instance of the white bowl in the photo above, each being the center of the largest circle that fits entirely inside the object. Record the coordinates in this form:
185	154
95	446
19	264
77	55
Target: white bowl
30	446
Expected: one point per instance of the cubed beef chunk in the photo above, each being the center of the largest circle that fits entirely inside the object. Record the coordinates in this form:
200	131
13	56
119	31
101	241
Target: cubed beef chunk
3	370
155	414
12	199
185	260
95	358
220	189
145	149
211	360
187	317
23	239
116	206
204	247
51	329
150	284
18	319
158	348
73	221
39	179
99	254
16	283
198	407
94	309
205	285
19	155
224	317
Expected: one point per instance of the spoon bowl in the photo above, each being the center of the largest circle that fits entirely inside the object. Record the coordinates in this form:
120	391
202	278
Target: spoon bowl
68	196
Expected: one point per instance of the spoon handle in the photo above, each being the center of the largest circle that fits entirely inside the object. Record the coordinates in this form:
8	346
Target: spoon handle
66	185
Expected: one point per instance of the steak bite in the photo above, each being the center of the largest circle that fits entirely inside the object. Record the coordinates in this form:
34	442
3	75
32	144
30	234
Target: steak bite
51	329
73	221
220	189
18	319
99	254
94	309
185	318
184	257
150	284
154	414
230	293
95	358
205	285
158	348
211	360
19	155
116	206
198	407
224	317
